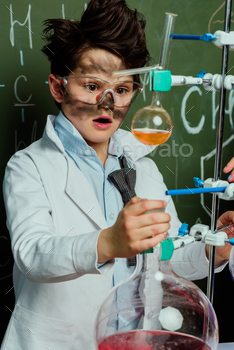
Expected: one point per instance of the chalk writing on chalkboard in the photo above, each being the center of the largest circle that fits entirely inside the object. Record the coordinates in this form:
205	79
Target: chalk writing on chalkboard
16	92
214	108
28	26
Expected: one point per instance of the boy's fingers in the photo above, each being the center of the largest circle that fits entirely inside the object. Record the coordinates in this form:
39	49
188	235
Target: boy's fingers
229	166
145	220
139	207
152	230
134	200
152	242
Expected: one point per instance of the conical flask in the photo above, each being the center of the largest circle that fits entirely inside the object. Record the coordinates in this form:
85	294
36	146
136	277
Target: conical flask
155	309
152	125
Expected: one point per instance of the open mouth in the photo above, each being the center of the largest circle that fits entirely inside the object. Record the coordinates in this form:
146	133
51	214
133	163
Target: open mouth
103	120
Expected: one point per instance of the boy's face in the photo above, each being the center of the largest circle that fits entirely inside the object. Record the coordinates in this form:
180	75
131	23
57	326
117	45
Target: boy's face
96	63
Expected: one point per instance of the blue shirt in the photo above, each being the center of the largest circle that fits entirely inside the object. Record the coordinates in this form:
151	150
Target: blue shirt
87	161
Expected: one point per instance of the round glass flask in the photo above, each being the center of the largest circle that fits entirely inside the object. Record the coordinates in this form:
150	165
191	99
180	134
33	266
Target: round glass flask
152	125
155	309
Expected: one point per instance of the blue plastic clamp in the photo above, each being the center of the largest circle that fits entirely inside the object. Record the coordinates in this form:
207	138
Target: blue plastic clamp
183	230
198	182
208	37
200	75
231	241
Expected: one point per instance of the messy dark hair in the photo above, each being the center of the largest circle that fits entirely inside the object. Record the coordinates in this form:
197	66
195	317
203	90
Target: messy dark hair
106	24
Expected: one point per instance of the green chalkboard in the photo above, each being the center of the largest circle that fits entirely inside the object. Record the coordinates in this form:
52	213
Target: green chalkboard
26	100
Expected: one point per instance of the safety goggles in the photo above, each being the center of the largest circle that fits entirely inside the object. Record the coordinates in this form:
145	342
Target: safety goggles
93	90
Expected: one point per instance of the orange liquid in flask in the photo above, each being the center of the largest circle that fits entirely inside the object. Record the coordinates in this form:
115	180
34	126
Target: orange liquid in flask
151	137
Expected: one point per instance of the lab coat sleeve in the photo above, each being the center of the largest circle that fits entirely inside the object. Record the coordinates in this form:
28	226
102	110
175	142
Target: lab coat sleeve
39	252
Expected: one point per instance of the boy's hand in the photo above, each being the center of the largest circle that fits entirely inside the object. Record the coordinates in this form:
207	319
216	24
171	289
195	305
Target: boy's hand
230	167
135	230
222	253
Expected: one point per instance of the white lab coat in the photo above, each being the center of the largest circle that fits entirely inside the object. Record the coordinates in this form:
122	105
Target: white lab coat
54	220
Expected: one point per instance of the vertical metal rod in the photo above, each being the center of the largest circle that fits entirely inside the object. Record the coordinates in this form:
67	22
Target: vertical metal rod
218	156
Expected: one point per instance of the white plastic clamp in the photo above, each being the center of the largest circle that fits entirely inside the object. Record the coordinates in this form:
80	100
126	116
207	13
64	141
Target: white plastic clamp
181	241
207	237
218	239
229	82
208	183
207	82
199	229
224	38
214	82
228	195
180	80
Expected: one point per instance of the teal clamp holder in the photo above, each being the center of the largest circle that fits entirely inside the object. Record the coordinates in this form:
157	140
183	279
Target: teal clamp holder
160	80
167	249
151	250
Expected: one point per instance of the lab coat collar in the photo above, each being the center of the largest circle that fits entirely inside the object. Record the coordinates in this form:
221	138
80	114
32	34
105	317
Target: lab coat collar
83	196
50	134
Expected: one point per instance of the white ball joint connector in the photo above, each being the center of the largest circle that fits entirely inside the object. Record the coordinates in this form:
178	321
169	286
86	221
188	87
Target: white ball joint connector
215	82
227	194
223	38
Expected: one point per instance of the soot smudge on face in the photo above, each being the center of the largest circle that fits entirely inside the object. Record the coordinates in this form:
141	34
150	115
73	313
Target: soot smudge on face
84	110
99	66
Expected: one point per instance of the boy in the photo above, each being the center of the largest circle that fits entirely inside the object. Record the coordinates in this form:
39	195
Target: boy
65	217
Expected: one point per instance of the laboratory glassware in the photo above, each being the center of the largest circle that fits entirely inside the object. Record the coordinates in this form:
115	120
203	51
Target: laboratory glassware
155	309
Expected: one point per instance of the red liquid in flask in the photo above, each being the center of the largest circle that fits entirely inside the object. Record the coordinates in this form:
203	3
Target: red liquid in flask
152	340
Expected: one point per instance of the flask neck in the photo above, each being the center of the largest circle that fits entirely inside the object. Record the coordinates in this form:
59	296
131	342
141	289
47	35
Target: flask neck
156	263
157	99
165	267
